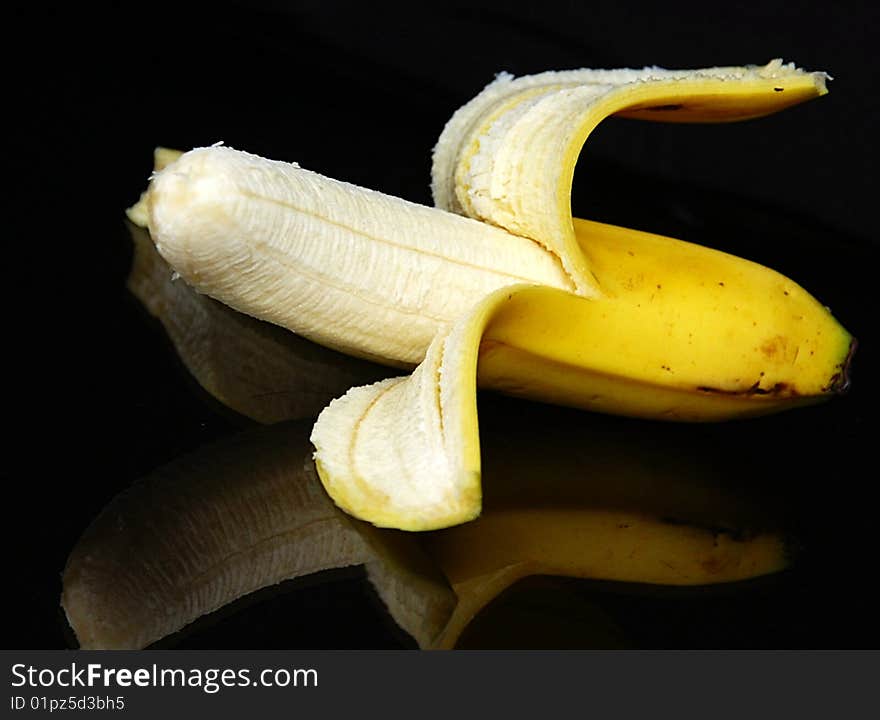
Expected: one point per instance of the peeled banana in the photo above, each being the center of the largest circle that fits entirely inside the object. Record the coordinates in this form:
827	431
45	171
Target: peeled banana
517	297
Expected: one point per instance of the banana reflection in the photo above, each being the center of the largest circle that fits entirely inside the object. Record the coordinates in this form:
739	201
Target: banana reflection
250	512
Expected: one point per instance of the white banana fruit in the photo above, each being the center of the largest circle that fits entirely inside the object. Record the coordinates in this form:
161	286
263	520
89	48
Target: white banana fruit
524	299
349	268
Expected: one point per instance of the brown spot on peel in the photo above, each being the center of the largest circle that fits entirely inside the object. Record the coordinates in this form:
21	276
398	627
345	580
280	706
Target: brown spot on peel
780	389
774	345
713	565
840	382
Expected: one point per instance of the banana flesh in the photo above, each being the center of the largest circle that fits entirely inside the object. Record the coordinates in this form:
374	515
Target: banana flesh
349	268
520	298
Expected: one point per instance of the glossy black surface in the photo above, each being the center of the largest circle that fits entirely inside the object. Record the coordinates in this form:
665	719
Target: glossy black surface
97	399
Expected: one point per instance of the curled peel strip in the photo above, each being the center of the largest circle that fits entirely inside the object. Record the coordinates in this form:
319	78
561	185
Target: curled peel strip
507	157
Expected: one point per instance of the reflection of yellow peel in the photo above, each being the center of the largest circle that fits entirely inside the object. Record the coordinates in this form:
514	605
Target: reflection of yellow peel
584	500
516	297
610	545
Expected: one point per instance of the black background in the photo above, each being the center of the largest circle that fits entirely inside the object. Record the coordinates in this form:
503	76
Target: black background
360	92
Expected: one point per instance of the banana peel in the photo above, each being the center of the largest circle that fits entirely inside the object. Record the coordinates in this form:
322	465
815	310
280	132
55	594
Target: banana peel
655	327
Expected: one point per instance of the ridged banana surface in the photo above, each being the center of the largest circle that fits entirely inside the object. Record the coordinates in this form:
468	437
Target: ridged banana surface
499	287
